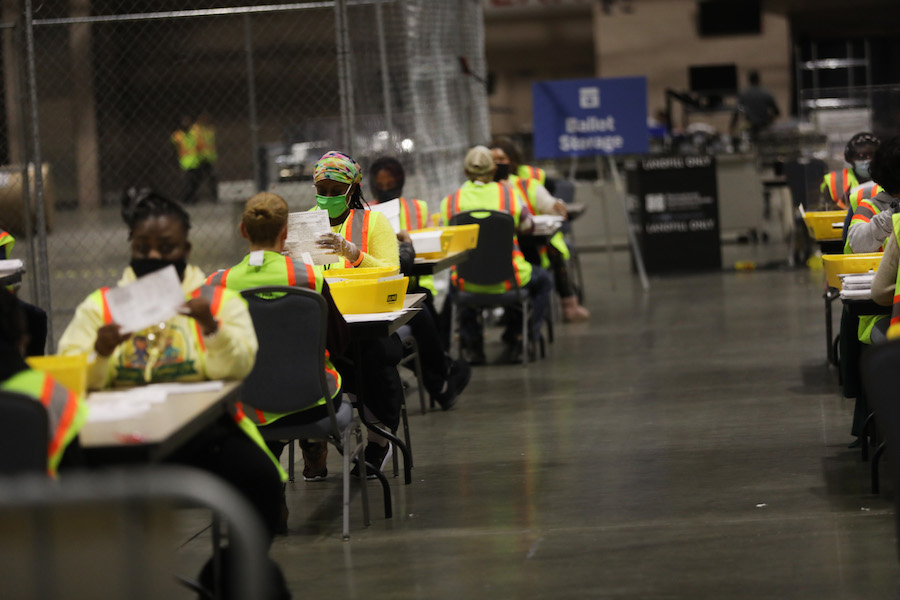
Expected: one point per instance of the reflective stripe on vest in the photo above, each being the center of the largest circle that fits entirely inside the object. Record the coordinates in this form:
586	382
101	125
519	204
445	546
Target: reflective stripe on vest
356	229
218	278
524	188
212	294
865	191
865	210
405	220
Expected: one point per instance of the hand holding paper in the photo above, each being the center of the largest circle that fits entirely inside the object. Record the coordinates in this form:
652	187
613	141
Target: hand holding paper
335	243
304	228
152	299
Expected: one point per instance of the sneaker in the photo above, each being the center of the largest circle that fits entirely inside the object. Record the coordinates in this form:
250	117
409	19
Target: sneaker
458	378
377	456
315	465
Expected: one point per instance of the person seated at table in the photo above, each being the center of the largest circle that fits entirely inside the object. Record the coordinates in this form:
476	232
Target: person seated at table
35	316
554	253
443	377
264	225
213	339
362	238
66	410
858	153
482	192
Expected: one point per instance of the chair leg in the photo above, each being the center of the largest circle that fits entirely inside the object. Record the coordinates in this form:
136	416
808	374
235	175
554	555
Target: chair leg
454	331
864	436
526	316
417	367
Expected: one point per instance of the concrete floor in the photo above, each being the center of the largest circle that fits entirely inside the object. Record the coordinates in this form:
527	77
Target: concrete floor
686	443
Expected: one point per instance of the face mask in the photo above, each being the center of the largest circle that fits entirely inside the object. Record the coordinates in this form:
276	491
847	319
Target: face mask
145	266
502	172
335	205
862	168
387	195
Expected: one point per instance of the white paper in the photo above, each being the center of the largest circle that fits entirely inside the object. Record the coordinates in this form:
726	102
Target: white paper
390	209
304	228
12	265
384	316
426	242
194	387
152	299
546	224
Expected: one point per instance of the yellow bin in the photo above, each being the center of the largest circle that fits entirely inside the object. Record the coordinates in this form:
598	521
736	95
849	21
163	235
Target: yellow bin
464	237
842	264
70	371
446	240
361	273
369	295
825	225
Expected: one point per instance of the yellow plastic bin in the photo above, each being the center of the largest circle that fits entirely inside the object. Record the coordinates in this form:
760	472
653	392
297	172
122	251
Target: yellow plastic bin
825	225
70	371
464	237
361	273
369	295
842	264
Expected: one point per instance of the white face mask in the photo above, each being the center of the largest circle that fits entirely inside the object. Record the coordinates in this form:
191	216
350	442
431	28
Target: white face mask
862	168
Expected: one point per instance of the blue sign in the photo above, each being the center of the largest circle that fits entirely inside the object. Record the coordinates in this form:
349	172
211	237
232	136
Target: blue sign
584	117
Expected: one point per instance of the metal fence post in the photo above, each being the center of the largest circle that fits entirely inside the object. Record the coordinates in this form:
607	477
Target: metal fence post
251	100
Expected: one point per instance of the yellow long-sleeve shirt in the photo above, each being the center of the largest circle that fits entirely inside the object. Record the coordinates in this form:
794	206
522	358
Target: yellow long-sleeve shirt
177	352
381	249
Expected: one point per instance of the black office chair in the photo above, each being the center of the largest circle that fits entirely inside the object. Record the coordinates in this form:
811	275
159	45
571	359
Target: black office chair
24	434
289	375
881	380
111	535
491	262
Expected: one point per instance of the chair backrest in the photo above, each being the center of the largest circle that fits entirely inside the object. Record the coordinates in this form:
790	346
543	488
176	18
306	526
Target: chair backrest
564	190
881	379
111	534
24	434
289	373
491	260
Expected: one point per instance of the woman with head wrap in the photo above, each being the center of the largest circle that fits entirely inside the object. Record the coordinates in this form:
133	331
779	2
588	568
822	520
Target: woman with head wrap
359	237
362	238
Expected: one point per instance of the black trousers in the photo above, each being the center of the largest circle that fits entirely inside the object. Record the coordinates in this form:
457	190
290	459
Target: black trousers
383	388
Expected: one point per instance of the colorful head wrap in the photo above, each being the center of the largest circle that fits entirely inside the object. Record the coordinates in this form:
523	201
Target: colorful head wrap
338	167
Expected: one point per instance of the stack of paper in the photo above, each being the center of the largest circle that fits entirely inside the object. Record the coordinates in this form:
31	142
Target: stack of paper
11	266
426	242
857	286
547	224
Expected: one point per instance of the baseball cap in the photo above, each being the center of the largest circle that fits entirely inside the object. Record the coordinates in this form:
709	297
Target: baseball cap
479	161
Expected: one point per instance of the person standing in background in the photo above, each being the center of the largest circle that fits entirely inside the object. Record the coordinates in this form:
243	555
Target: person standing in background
757	106
186	144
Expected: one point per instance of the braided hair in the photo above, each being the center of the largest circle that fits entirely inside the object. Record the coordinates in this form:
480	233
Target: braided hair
139	205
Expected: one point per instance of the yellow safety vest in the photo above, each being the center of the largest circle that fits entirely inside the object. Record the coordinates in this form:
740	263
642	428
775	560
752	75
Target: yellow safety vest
837	183
187	145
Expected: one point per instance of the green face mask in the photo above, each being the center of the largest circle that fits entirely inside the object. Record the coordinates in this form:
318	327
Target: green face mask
335	205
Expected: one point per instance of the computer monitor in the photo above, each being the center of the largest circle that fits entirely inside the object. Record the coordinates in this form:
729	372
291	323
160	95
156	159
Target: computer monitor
729	17
713	80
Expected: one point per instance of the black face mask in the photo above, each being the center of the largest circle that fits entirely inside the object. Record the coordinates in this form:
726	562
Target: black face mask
145	266
387	195
502	172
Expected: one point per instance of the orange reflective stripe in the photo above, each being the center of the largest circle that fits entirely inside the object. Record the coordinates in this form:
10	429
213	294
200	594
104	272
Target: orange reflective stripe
260	416
216	301
107	316
833	185
348	228
504	193
420	218
404	213
456	202
238	415
291	279
47	391
311	277
524	189
65	419
365	232
845	181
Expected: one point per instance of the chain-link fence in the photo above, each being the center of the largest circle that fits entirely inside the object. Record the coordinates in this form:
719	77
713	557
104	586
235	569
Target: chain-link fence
273	86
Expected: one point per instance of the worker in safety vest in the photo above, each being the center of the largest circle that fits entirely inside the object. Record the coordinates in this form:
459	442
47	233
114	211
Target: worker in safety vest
554	253
186	141
529	172
443	377
482	192
7	241
264	225
858	154
35	316
212	337
387	178
205	132
66	409
362	238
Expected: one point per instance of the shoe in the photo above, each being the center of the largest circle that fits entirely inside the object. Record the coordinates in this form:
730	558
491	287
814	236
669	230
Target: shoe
573	312
458	377
854	444
472	351
315	464
377	456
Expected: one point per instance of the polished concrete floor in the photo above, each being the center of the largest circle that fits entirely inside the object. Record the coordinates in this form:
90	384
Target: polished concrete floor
689	442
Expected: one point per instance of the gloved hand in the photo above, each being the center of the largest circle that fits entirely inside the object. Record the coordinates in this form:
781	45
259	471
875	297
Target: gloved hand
883	220
334	243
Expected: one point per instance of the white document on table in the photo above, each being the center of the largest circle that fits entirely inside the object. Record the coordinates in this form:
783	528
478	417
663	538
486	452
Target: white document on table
304	228
426	242
152	299
390	209
10	266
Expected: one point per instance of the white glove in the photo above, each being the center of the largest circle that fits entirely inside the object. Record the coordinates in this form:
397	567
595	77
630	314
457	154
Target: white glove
334	243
